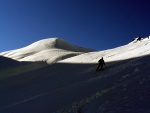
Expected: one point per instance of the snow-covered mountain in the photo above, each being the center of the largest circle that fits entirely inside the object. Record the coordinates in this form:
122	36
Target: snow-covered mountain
131	50
72	85
49	50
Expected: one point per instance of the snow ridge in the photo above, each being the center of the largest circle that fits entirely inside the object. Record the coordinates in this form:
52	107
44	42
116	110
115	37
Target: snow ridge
132	50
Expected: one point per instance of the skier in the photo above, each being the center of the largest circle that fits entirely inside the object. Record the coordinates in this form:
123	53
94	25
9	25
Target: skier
100	65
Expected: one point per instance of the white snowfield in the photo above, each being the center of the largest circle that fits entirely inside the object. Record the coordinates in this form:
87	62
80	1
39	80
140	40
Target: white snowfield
71	84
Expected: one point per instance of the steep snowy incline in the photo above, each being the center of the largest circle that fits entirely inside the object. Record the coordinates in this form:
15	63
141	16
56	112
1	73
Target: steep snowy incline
73	85
131	50
49	50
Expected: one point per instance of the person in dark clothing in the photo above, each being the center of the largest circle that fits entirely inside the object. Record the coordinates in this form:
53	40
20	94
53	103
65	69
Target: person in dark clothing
139	39
101	64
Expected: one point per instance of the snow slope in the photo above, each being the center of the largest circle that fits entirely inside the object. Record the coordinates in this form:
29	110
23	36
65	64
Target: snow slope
49	50
39	54
131	50
73	86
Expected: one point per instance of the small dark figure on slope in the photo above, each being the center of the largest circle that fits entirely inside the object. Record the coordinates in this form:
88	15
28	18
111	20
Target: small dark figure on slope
101	64
139	39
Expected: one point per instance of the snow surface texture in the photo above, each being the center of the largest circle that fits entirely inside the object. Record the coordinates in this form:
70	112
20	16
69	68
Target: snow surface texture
73	86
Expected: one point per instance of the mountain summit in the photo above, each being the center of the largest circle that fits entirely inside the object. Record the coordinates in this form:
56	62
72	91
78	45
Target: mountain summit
49	50
56	43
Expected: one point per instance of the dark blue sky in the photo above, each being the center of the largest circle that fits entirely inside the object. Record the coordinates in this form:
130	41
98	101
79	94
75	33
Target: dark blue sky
96	24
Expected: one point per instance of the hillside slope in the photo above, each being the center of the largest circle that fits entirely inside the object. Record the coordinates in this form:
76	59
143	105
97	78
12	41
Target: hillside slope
38	55
131	50
73	85
49	50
